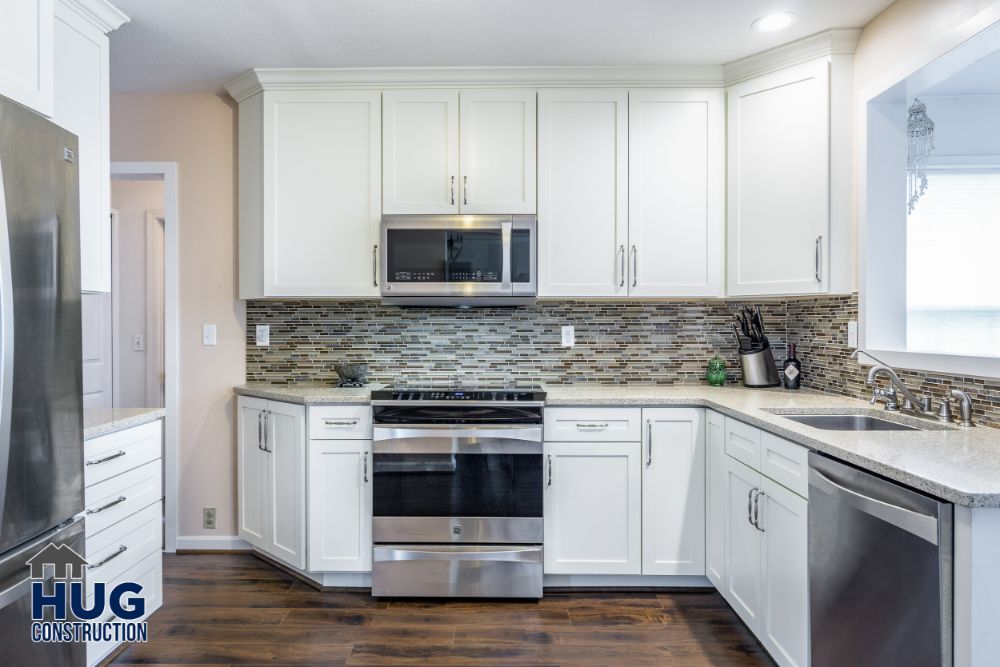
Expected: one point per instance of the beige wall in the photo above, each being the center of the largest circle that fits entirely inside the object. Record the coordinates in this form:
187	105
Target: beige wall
198	132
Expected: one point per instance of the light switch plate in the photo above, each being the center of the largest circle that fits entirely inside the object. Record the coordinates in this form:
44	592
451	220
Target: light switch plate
263	335
208	334
568	336
138	343
852	334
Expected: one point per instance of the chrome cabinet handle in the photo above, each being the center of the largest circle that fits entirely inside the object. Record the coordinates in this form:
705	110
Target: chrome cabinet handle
120	453
750	506
267	425
260	431
621	256
550	470
580	426
122	549
375	265
756	511
649	439
119	500
465	190
340	422
819	259
365	456
452	190
635	266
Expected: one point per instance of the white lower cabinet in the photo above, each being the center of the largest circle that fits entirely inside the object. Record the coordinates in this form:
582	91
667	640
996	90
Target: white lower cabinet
715	498
743	544
340	506
593	508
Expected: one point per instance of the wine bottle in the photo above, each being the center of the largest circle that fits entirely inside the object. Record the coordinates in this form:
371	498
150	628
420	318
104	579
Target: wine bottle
791	370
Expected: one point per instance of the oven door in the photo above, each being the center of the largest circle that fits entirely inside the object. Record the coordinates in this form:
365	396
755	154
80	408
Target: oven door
436	483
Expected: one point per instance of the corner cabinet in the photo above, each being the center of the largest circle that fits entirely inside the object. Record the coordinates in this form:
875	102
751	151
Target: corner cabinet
310	193
26	38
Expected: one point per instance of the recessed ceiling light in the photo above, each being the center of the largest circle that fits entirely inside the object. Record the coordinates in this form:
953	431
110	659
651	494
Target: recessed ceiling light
773	22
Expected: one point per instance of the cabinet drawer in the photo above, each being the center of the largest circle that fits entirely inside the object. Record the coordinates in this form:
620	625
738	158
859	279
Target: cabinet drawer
593	424
148	573
785	462
113	454
743	442
114	499
124	544
340	422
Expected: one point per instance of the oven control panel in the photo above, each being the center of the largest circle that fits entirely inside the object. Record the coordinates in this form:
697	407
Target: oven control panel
516	394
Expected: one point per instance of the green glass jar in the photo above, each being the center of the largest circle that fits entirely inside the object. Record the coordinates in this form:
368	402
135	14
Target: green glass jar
716	375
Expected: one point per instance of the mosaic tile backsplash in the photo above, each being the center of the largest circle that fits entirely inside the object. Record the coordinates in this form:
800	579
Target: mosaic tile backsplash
616	343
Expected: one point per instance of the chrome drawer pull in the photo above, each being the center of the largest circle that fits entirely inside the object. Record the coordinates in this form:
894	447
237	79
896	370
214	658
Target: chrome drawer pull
591	427
120	453
340	422
118	501
122	549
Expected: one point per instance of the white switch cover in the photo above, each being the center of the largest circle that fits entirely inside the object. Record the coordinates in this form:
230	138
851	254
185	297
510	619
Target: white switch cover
852	334
568	336
208	334
263	335
138	343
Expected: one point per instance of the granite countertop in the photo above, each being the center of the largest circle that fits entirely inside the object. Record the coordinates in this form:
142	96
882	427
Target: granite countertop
960	465
102	421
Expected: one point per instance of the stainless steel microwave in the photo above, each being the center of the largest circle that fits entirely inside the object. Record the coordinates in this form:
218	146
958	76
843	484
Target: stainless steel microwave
458	260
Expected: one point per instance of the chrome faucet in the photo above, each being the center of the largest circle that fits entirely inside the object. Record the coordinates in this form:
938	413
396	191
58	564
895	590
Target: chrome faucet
964	407
922	404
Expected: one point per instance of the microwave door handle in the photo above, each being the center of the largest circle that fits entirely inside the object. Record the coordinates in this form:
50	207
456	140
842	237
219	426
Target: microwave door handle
506	286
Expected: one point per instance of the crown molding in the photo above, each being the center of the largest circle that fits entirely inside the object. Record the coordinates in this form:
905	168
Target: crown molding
254	81
835	42
101	13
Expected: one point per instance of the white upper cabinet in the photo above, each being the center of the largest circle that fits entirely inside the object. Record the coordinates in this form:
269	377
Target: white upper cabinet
420	151
497	139
676	192
779	181
26	38
582	192
310	193
82	93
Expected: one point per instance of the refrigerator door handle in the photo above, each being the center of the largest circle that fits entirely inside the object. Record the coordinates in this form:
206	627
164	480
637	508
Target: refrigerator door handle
6	342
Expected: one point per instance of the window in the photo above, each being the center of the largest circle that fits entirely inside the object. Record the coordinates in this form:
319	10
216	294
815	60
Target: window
952	264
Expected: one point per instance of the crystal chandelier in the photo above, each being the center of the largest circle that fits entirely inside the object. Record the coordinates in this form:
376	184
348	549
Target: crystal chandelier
919	146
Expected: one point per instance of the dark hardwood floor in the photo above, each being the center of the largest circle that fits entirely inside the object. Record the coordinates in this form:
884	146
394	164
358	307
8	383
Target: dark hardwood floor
237	609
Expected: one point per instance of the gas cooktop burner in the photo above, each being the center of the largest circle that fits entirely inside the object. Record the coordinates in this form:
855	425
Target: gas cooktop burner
527	394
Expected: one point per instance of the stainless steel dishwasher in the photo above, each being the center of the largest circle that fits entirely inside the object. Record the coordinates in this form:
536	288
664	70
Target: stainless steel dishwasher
880	570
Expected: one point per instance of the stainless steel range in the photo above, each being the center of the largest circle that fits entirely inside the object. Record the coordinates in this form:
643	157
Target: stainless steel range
457	493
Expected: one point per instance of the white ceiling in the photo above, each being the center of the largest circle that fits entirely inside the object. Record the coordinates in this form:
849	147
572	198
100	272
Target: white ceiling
197	45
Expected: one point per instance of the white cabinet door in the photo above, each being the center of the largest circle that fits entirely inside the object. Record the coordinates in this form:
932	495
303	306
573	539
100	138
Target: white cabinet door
420	151
676	192
673	491
26	40
321	192
340	506
497	140
252	464
779	181
592	507
582	192
785	577
743	544
285	441
82	107
715	498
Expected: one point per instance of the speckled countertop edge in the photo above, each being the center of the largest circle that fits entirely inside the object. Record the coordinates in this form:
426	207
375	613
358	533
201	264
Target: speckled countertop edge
98	422
308	394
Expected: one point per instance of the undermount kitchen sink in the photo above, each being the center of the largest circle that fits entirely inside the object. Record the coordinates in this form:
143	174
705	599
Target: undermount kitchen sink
850	423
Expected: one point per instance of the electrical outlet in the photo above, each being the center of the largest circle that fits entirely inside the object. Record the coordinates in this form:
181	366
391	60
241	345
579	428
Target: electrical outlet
208	334
138	343
568	336
208	517
263	336
852	334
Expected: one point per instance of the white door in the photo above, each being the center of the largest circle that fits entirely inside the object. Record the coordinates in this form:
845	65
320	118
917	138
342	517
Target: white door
420	151
497	139
779	181
340	506
96	343
286	445
673	491
592	507
676	192
743	544
785	584
26	36
322	192
82	107
715	498
252	473
582	192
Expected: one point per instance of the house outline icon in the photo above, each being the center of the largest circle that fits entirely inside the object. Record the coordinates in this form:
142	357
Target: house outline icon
62	558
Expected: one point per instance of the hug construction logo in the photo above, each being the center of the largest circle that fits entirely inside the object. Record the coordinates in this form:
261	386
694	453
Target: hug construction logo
61	612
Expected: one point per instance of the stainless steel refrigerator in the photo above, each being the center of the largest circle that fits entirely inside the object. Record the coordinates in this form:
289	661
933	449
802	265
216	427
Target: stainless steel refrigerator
41	414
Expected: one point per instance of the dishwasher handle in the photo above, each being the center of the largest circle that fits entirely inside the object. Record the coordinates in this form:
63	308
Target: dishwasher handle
922	525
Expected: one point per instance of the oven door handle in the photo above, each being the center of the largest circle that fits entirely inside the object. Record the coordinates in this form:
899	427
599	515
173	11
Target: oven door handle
512	554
